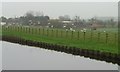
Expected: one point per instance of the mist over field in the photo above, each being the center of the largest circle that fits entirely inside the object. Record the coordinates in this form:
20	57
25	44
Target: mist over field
55	9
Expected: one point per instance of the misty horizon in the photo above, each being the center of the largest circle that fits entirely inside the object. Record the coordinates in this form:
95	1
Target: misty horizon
56	9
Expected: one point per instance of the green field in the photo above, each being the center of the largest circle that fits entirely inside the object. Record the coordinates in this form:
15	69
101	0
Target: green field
95	40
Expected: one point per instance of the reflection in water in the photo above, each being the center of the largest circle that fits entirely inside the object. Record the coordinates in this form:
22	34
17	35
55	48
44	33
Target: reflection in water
119	68
17	56
0	55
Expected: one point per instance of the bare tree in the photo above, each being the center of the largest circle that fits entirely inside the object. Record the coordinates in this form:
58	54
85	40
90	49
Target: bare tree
29	14
39	13
64	18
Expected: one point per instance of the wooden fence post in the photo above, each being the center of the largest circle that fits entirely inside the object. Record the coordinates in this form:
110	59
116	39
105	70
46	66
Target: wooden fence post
35	30
52	32
17	28
23	29
20	29
47	32
66	34
78	35
8	28
26	29
84	35
43	31
71	34
56	33
106	37
98	36
91	35
39	31
31	30
61	33
115	38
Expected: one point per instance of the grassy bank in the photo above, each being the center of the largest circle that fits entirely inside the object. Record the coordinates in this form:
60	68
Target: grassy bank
93	40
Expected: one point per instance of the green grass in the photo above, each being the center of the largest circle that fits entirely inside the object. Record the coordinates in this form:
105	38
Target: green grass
91	40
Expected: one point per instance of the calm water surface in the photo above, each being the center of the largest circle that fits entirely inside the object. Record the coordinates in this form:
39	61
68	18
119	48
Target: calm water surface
17	57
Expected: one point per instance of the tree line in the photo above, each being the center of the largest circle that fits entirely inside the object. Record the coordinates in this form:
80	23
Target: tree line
39	19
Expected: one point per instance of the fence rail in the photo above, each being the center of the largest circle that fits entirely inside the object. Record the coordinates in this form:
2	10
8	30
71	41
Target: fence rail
88	36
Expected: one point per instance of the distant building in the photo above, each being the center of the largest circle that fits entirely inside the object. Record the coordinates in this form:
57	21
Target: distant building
107	18
2	23
66	22
94	26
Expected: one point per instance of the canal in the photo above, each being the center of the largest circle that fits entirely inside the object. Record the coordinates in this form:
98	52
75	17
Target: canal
21	57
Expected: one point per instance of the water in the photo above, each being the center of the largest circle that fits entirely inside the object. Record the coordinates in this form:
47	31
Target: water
0	55
20	57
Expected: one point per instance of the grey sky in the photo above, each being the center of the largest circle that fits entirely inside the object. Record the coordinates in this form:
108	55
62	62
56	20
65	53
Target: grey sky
55	9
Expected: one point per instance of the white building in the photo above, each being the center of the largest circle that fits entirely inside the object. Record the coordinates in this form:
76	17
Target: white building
66	22
2	23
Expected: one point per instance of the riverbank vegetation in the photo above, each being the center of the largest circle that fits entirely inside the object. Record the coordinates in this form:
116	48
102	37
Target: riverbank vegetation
87	39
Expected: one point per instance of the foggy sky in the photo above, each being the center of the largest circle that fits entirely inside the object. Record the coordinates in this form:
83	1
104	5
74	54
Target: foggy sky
55	9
